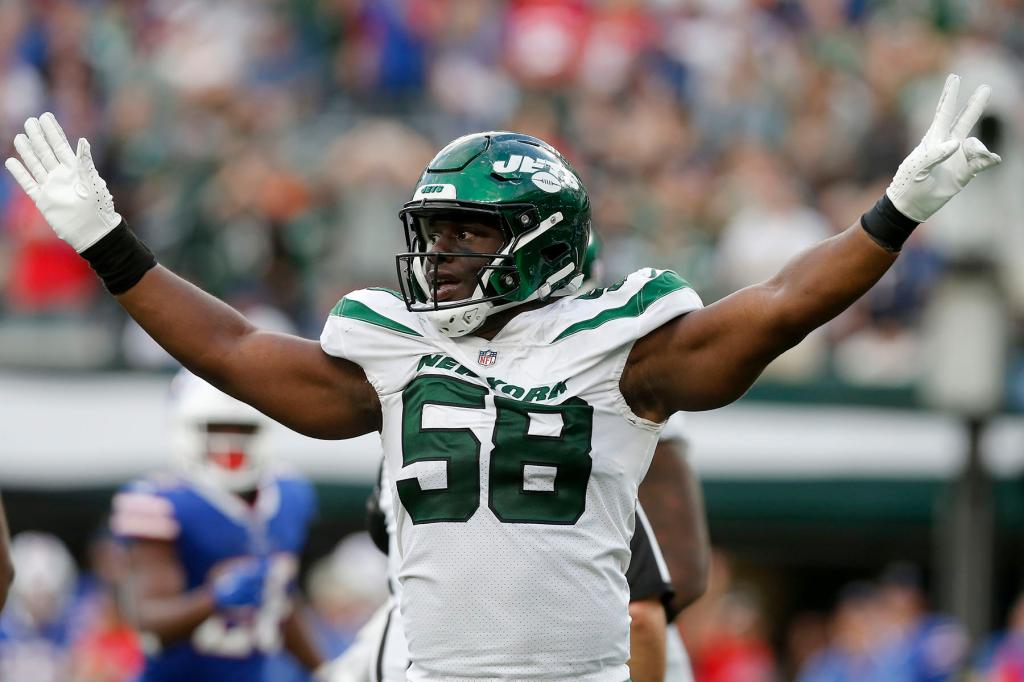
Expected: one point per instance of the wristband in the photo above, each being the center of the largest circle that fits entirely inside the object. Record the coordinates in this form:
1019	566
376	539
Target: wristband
119	259
887	226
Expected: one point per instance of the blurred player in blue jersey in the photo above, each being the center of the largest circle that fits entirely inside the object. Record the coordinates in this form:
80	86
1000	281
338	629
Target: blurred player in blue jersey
214	547
37	627
6	565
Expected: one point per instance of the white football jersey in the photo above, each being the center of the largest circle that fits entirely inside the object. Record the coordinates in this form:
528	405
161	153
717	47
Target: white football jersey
515	463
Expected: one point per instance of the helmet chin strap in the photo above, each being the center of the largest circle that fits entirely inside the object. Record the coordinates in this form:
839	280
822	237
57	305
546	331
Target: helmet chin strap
571	287
455	322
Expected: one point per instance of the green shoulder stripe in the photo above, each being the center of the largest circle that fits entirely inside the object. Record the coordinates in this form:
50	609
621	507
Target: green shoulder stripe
388	291
659	287
360	311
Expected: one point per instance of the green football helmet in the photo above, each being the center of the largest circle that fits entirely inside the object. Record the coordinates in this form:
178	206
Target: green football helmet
533	194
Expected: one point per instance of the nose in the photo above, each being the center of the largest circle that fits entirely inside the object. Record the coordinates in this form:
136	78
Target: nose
432	262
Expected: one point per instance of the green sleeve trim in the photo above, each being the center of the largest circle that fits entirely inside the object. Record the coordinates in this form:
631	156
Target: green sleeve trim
659	287
360	311
388	291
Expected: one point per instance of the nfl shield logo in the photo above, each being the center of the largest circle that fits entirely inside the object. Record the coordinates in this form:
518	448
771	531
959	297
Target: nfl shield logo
487	357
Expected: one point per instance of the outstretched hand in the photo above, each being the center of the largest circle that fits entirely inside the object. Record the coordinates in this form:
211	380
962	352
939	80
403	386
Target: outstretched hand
242	584
944	161
63	183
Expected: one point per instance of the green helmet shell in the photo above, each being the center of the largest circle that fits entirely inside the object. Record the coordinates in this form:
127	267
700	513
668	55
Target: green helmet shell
538	200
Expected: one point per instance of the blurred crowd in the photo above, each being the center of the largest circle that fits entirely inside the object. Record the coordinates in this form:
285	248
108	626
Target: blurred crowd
65	625
263	149
879	630
61	624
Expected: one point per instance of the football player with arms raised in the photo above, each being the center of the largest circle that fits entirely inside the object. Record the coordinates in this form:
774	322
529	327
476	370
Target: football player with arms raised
214	546
379	653
517	419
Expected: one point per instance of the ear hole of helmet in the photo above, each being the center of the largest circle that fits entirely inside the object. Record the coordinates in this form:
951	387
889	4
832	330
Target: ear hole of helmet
554	252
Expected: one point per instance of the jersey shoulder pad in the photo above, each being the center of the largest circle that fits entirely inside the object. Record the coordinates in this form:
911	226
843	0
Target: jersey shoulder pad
148	509
370	318
629	309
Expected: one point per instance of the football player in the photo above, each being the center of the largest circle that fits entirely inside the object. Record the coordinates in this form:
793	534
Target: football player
214	546
6	564
517	419
38	626
379	653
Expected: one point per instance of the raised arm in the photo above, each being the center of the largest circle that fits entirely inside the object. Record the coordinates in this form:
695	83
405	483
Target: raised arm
710	357
290	379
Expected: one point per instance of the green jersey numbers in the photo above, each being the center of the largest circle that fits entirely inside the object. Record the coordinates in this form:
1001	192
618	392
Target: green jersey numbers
540	461
458	447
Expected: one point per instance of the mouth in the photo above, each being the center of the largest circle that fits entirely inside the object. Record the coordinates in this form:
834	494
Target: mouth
445	286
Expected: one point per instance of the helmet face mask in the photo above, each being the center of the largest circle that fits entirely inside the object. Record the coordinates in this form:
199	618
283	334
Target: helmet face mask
217	440
530	192
230	446
495	275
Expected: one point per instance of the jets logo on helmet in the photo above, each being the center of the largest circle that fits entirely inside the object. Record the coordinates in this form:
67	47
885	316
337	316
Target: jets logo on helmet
534	196
549	175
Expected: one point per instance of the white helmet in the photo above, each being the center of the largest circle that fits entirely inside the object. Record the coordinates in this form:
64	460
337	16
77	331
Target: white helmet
215	438
44	576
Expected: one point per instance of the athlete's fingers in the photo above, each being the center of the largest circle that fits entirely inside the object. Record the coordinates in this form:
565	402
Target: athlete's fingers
28	157
979	158
971	112
940	153
945	110
57	139
42	148
23	177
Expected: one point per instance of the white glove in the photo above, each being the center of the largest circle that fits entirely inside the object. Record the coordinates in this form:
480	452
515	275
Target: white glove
943	163
65	187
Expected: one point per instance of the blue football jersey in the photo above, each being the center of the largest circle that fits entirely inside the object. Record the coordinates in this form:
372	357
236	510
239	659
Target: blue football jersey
210	529
36	652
